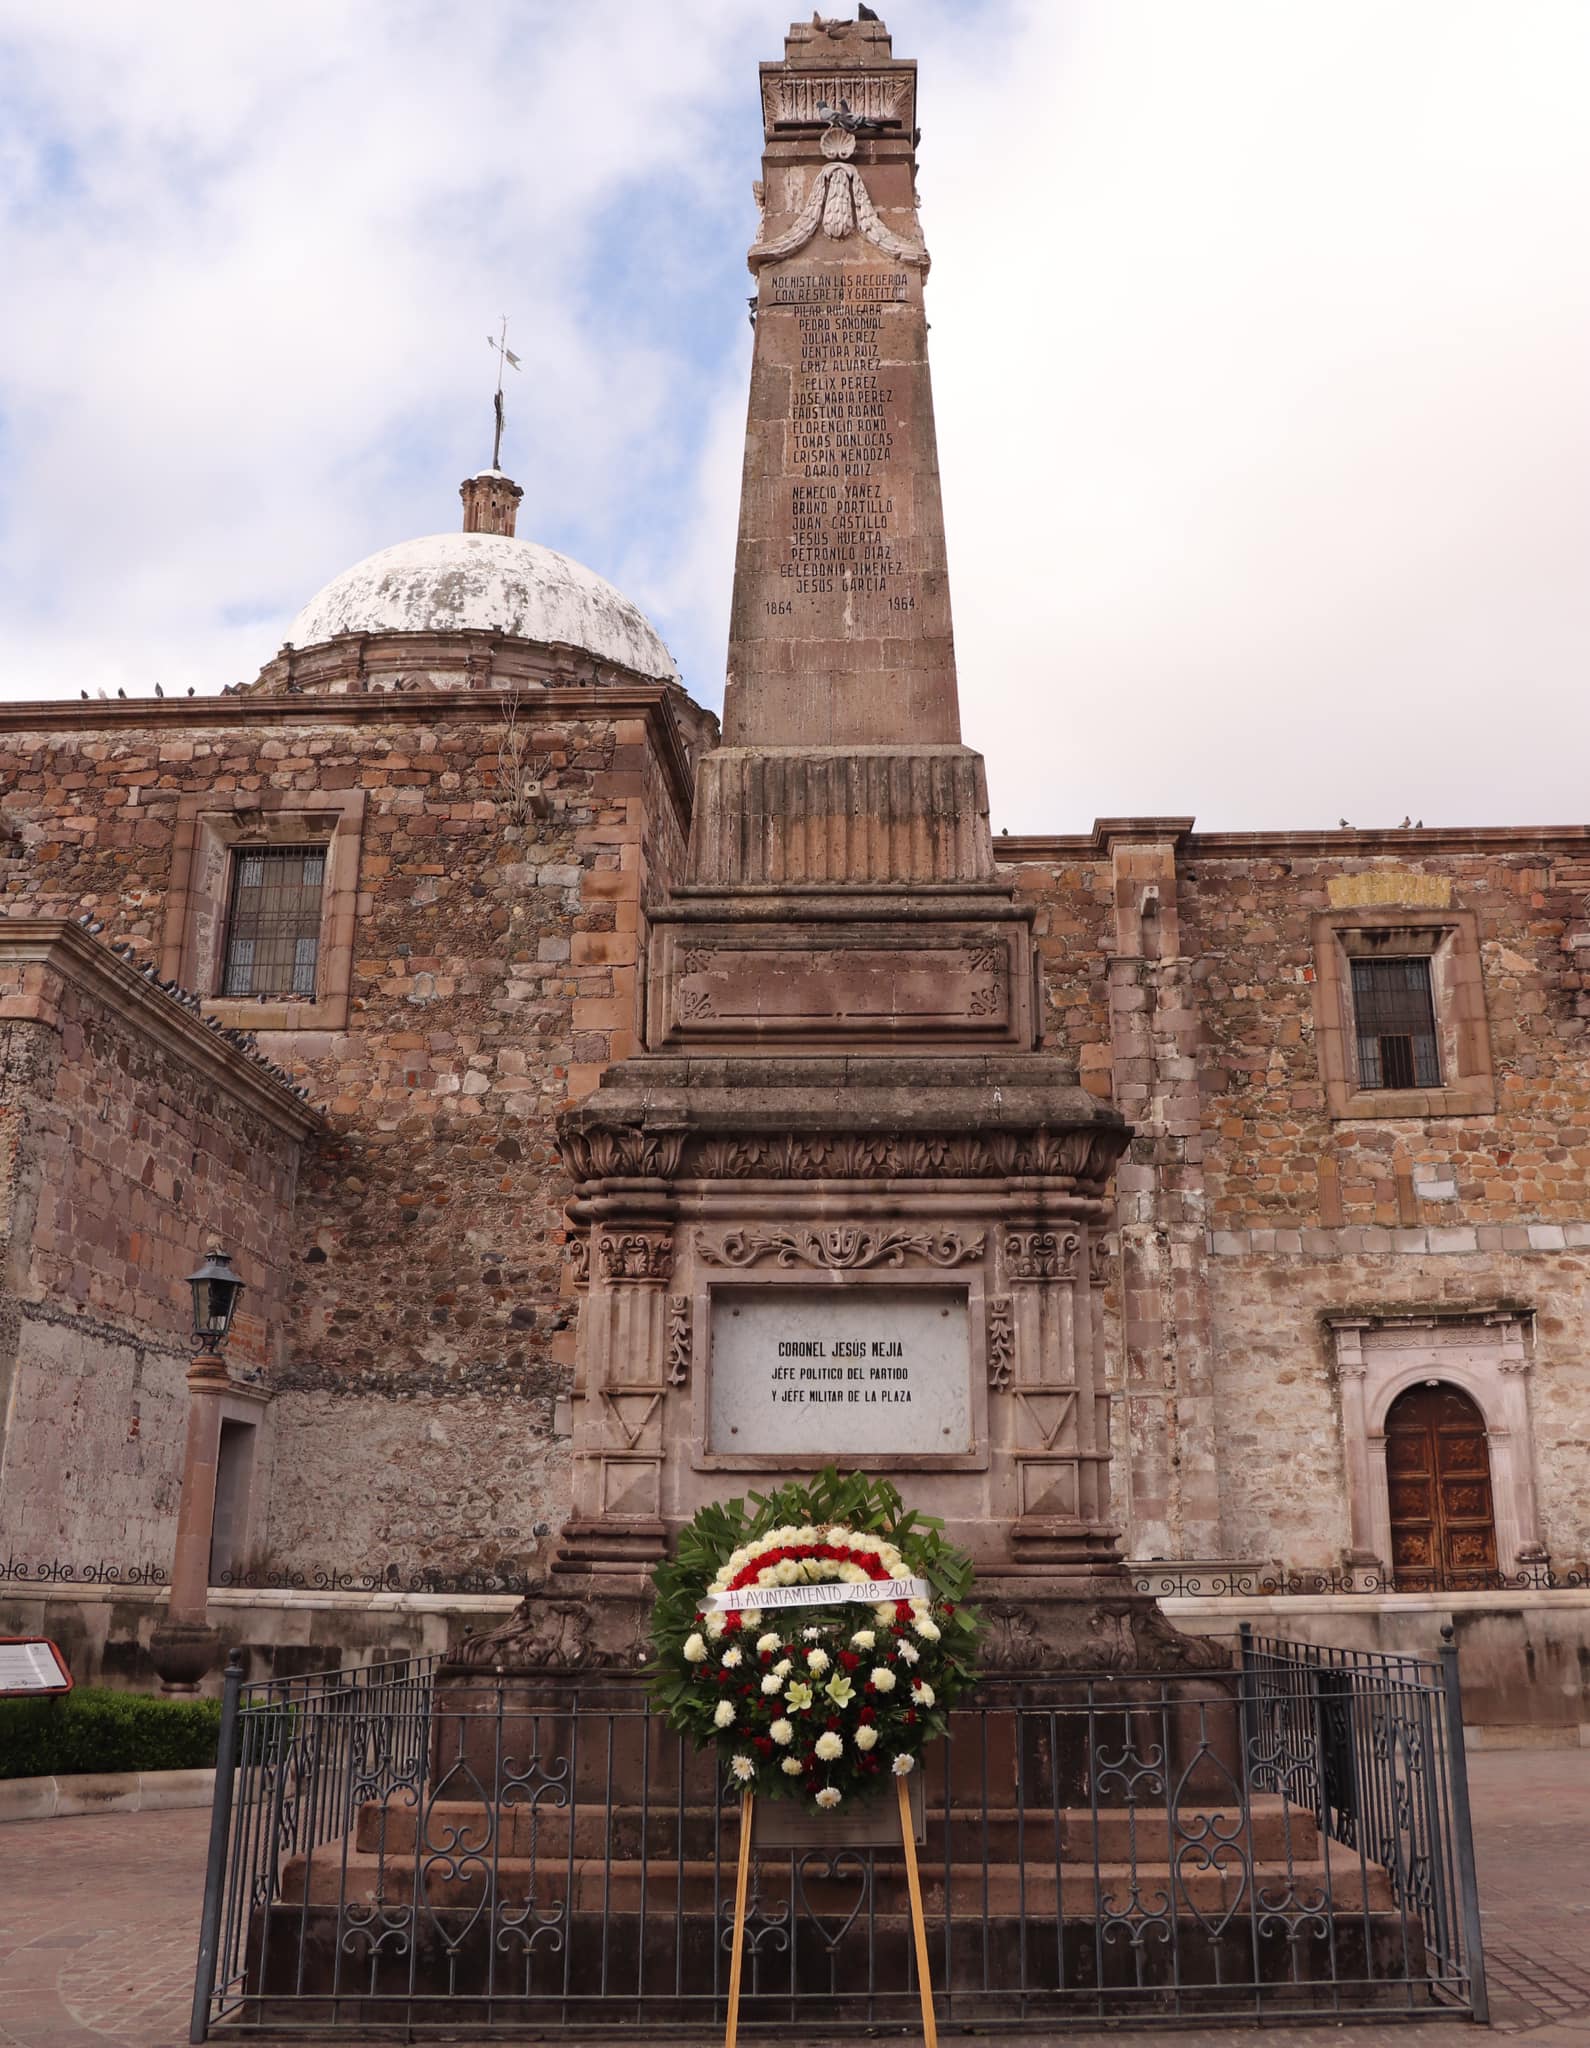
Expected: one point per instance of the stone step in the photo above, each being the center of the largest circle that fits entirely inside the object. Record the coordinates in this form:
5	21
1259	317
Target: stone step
1076	1834
1036	1890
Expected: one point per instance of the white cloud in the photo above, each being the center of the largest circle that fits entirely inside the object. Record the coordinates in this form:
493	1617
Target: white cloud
1259	337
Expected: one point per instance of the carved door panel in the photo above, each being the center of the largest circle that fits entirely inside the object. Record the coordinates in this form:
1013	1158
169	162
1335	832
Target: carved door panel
1438	1474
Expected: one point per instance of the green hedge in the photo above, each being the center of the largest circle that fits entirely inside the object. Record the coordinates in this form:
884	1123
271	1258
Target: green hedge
92	1729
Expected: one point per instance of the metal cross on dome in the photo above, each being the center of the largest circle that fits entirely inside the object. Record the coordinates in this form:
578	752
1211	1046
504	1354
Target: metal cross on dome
505	355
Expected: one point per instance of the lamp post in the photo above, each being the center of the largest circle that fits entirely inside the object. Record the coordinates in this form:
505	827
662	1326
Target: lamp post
184	1646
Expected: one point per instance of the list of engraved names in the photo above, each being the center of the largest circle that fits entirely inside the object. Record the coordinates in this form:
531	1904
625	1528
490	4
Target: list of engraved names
842	524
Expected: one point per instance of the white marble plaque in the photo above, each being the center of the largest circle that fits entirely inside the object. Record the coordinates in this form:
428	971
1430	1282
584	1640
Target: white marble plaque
845	1372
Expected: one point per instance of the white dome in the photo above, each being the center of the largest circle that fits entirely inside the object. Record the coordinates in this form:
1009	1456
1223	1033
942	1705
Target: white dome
486	583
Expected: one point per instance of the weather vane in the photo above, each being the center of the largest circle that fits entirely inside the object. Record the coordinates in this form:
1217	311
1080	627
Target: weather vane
505	355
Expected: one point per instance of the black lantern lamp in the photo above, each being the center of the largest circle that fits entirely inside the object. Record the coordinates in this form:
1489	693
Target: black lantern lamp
215	1295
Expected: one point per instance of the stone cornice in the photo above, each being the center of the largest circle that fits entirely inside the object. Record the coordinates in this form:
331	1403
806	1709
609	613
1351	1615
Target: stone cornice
651	701
1011	848
63	948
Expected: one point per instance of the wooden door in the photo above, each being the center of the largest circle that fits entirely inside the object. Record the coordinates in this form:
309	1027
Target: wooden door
1438	1470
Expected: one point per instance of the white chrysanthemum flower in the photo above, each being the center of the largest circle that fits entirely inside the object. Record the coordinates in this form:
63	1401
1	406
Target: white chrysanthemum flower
830	1795
883	1614
817	1662
865	1736
768	1575
927	1628
883	1678
811	1635
772	1684
864	1639
723	1714
715	1626
922	1693
766	1645
738	1560
829	1746
743	1769
751	1618
786	1573
903	1766
853	1575
784	1667
782	1732
791	1767
806	1533
909	1652
732	1658
695	1648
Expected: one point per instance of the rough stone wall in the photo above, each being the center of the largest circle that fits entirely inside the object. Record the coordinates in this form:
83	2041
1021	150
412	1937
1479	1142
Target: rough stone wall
1309	1214
122	1161
1268	1136
427	1329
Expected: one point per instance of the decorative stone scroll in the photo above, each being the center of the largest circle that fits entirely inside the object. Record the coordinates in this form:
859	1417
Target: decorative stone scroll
617	1153
636	1255
1082	1156
677	1346
847	1247
1001	1342
841	205
1041	1254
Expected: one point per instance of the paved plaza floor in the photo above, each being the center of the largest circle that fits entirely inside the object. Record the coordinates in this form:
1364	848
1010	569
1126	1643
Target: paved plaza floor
98	1924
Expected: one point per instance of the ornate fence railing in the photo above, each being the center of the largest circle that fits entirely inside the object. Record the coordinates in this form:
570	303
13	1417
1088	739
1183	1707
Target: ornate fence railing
414	1847
1169	1579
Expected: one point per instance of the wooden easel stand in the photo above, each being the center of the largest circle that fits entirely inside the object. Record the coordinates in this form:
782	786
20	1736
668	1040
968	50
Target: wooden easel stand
742	1876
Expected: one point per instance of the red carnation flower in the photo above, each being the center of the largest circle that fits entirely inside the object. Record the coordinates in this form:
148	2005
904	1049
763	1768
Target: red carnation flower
868	1713
849	1659
765	1744
731	1621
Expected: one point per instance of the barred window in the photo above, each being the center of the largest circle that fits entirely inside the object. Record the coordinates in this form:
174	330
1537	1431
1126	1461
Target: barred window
273	921
1394	1014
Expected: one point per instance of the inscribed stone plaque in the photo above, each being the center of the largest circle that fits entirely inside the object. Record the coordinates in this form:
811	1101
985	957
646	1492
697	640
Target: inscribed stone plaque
846	1371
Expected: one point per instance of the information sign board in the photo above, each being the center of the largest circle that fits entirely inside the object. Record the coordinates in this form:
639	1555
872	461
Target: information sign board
31	1666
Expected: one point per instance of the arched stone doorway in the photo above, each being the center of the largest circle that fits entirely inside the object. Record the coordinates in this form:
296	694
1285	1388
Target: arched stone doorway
1438	1476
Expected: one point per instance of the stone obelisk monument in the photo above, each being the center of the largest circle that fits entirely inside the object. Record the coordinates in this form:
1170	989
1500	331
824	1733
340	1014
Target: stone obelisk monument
846	1206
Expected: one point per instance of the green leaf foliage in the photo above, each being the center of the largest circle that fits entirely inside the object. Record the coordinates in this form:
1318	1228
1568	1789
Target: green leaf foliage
92	1729
689	1691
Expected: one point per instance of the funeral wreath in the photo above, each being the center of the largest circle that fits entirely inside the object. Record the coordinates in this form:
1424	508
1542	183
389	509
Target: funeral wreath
816	1636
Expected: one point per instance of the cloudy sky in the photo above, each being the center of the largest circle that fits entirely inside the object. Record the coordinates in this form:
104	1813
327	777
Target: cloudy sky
1261	350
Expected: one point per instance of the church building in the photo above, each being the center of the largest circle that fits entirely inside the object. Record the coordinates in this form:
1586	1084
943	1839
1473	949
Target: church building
310	970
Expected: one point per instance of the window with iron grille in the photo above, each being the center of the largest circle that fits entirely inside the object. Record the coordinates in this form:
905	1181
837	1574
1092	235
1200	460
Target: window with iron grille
1394	1014
273	921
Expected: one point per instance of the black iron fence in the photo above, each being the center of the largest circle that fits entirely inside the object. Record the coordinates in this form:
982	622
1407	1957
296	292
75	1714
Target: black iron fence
1170	1580
420	1847
1166	1580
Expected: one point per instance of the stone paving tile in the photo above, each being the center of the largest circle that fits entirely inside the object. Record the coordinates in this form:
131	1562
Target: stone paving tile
99	1923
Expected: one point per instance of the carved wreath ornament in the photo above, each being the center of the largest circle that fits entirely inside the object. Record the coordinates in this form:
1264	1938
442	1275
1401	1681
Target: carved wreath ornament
840	204
814	1638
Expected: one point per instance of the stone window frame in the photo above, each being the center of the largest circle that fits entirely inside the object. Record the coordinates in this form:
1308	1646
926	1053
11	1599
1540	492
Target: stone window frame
1370	1378
209	831
1449	939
